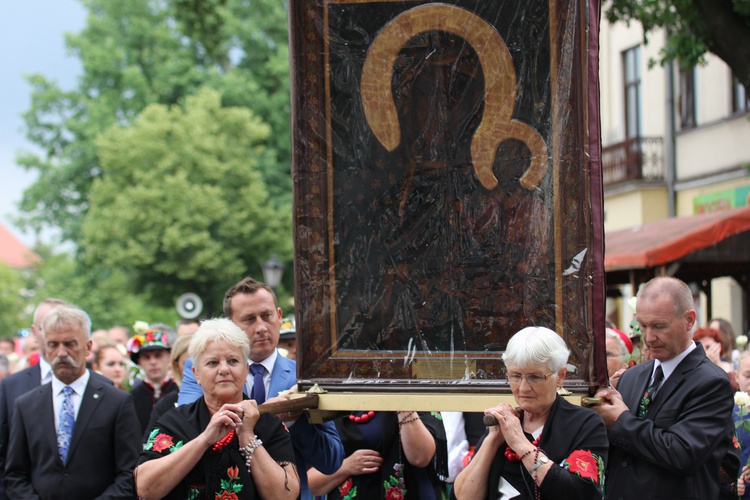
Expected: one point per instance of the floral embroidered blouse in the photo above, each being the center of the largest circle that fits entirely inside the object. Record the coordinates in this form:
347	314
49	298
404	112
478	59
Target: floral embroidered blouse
219	475
396	479
575	440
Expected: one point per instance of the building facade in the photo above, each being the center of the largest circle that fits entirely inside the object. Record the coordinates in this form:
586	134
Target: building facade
674	143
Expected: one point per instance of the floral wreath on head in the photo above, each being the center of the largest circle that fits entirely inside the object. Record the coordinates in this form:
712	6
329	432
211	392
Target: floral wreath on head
146	339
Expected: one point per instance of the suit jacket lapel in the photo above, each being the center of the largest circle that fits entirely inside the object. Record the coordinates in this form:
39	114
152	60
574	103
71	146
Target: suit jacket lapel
46	412
32	380
35	376
89	402
283	377
662	395
633	398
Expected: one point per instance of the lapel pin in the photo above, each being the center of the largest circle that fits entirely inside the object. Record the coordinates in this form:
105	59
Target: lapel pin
96	396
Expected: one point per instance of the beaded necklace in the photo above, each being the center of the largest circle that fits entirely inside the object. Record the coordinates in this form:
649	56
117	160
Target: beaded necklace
362	419
513	456
221	443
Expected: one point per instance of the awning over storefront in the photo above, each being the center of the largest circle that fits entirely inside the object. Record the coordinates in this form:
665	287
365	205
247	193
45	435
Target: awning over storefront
669	240
695	249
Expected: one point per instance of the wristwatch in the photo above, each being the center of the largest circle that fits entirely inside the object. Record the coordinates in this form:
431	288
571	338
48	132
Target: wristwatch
539	462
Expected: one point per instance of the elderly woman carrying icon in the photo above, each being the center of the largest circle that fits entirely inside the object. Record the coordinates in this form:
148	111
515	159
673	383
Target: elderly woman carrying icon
544	448
219	446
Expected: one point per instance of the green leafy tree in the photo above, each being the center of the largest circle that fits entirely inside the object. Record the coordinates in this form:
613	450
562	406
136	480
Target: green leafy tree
140	52
694	28
14	303
107	295
181	202
131	57
136	53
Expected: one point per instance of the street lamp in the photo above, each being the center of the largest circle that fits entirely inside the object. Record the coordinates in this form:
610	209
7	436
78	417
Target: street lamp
273	268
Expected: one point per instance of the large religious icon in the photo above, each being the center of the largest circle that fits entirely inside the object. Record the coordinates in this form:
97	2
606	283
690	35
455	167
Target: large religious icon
447	187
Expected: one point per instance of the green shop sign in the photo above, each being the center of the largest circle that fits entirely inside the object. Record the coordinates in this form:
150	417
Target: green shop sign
721	200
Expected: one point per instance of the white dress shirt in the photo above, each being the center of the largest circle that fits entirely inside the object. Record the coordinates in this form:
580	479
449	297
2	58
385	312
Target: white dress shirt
78	386
669	366
268	364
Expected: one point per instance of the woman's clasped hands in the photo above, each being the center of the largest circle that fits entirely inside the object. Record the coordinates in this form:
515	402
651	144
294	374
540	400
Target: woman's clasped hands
240	417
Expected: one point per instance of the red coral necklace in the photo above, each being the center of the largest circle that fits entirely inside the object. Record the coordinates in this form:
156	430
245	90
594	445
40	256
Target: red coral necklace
221	443
513	456
362	419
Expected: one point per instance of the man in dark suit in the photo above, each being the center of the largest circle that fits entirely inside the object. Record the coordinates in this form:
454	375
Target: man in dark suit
22	382
670	425
86	443
252	306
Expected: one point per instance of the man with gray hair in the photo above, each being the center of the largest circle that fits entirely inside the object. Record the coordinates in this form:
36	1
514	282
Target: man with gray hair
22	382
90	426
670	425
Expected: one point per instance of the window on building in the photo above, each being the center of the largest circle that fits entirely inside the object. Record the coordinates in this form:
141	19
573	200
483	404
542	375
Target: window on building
631	64
740	97
687	98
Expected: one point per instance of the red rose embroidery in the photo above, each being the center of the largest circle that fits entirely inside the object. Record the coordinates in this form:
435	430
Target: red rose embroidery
735	443
393	493
233	472
584	464
345	487
225	495
162	442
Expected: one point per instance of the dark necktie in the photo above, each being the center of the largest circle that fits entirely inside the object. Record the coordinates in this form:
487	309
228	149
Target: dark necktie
259	388
65	424
648	396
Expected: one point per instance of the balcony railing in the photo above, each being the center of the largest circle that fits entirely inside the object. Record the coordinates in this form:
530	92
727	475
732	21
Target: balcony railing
641	158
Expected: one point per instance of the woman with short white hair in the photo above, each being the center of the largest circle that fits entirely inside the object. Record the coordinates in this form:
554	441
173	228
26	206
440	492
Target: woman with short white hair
544	448
219	446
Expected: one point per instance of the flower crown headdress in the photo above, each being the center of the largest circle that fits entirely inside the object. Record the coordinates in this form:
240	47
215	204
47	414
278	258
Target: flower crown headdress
146	339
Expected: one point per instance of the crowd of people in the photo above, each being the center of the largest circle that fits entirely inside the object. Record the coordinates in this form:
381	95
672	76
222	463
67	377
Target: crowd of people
179	413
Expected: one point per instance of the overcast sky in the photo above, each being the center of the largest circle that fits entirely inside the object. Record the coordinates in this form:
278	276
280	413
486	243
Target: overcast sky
31	41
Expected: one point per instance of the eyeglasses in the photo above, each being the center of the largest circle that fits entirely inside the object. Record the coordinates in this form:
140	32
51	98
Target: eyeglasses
532	379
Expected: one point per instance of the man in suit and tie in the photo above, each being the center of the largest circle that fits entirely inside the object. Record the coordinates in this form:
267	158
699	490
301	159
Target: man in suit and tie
22	382
75	437
252	306
670	424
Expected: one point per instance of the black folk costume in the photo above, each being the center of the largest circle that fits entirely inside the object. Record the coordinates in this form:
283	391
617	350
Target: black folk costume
145	398
575	441
218	474
397	478
161	407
